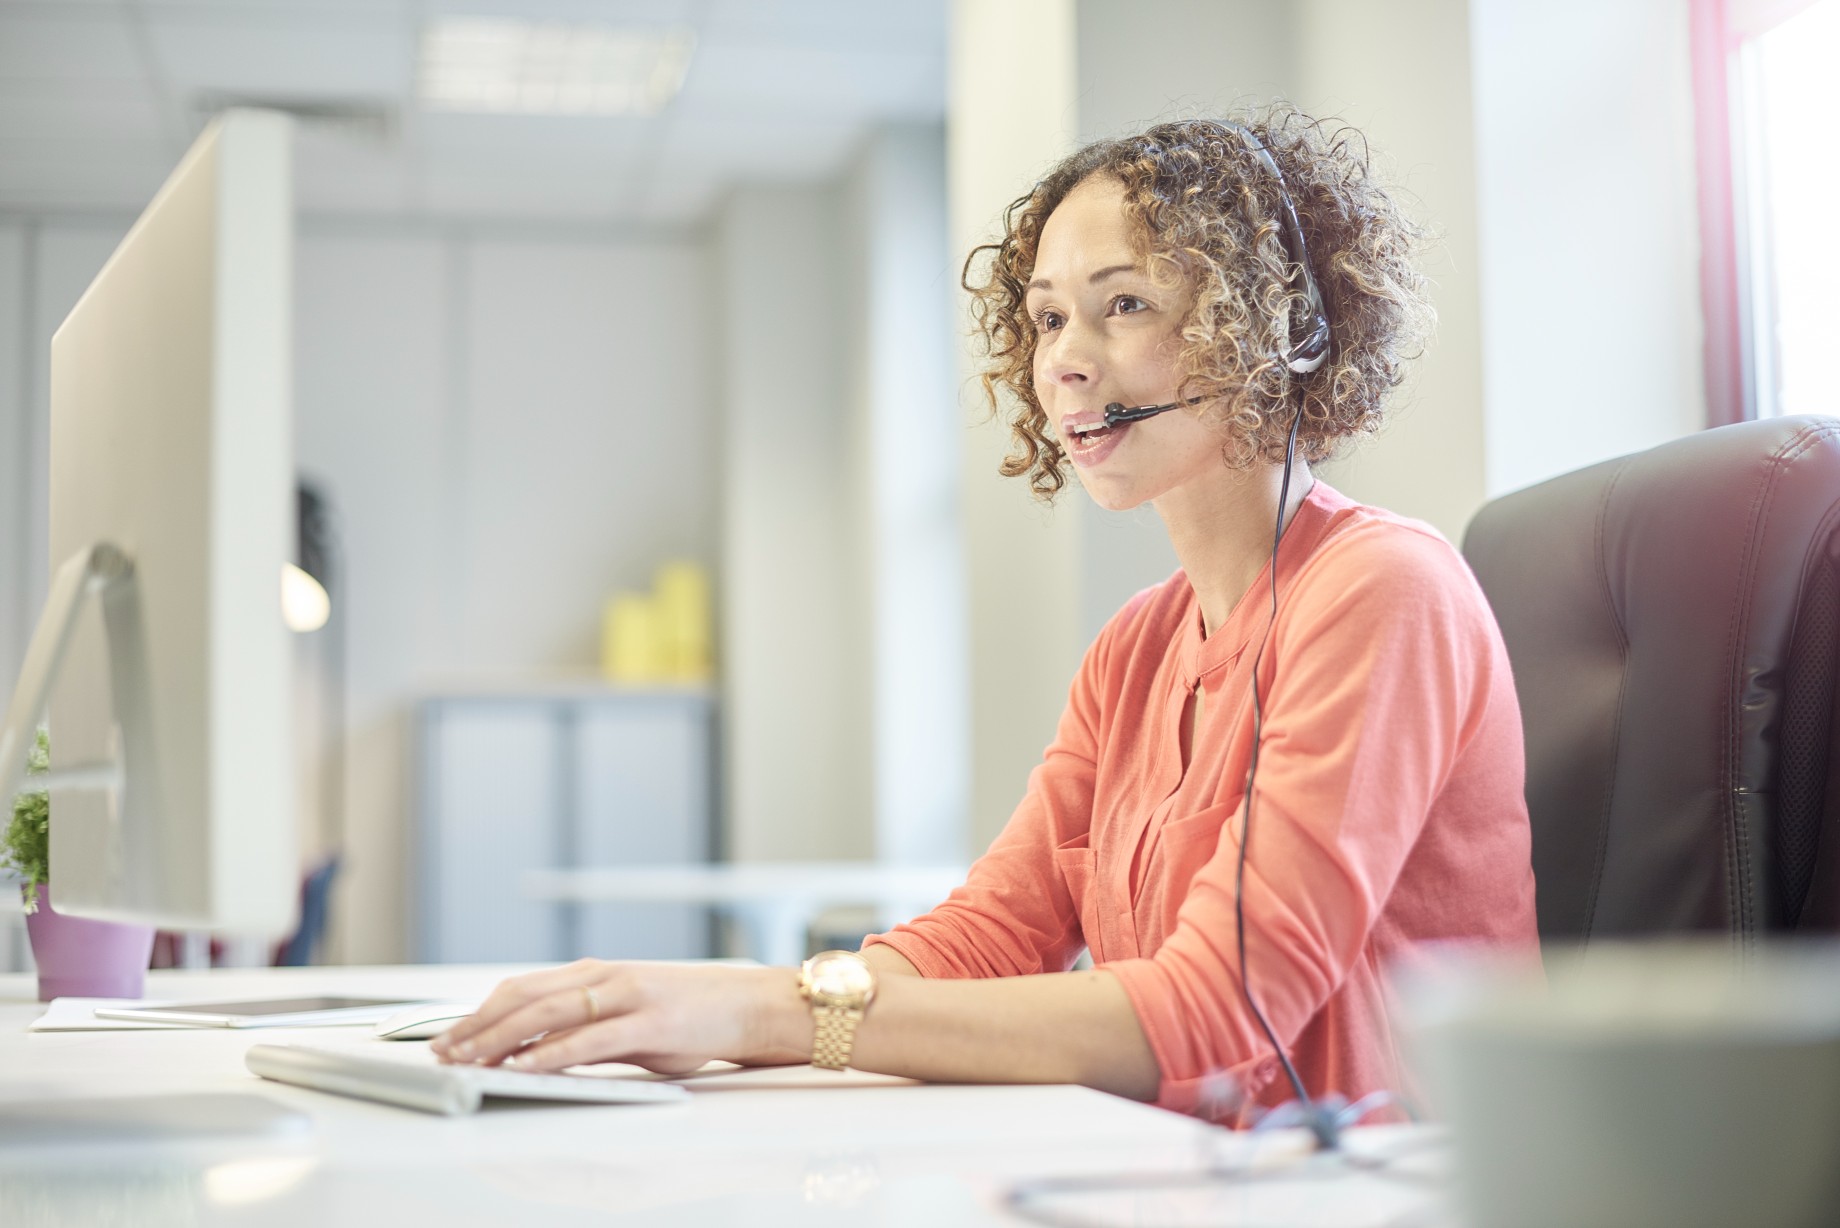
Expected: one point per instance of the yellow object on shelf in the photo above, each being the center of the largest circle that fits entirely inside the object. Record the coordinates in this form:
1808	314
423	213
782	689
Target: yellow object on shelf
684	620
662	636
630	651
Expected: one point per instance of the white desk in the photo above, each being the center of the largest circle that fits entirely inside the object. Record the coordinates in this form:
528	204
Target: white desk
893	1155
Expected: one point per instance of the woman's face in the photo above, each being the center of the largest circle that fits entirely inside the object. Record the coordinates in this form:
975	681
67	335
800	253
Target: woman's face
1106	332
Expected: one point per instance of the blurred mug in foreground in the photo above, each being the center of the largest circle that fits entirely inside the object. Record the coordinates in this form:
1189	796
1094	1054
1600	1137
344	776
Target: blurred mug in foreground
1679	1084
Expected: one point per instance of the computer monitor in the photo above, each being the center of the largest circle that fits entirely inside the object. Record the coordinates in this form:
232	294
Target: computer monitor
161	649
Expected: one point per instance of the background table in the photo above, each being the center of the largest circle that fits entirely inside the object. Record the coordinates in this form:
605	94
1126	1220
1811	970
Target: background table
761	1148
774	902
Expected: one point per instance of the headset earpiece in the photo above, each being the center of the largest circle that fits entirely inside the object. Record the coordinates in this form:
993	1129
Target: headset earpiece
1309	353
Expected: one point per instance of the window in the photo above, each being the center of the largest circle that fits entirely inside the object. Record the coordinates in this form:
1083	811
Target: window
1767	69
1788	181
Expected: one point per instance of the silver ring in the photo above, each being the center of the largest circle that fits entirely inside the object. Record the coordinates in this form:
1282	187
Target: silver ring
594	1003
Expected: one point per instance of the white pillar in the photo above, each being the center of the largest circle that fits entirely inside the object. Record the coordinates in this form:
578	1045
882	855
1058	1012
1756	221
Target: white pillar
1010	113
905	433
793	624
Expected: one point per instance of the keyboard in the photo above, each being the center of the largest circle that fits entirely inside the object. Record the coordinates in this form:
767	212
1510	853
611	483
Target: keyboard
417	1081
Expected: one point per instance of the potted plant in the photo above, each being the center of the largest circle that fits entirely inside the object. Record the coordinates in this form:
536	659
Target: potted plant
76	957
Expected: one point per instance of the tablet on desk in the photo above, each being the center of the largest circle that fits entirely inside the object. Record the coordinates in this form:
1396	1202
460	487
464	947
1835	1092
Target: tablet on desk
302	1012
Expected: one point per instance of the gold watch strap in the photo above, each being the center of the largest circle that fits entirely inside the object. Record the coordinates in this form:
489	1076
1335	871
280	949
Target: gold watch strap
833	1035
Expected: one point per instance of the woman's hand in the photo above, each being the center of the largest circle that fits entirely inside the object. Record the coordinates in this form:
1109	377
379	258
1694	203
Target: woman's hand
671	1018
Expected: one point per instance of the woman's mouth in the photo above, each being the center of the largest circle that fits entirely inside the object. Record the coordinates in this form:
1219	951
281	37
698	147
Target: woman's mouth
1088	443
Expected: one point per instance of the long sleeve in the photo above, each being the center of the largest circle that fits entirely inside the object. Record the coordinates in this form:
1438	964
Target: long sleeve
1381	670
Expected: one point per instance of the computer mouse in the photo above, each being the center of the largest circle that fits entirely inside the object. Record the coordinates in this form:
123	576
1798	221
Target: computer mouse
424	1021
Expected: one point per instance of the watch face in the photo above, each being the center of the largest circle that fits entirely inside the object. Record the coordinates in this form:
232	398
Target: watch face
841	977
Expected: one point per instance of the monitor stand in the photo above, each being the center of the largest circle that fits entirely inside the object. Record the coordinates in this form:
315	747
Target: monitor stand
99	572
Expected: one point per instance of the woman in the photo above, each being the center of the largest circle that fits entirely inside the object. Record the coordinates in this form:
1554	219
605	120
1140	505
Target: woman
1163	271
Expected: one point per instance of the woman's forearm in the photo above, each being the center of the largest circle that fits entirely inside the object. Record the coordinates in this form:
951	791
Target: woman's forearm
1064	1027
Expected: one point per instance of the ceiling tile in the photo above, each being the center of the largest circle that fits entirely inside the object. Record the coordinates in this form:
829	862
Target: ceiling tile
239	10
917	24
284	53
75	42
600	12
733	79
60	111
779	90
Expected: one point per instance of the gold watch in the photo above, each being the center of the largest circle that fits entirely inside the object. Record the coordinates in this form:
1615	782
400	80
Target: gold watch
839	985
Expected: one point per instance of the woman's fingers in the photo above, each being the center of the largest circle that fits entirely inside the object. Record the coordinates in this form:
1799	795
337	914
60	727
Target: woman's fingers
563	1003
610	1040
668	1018
629	1038
519	991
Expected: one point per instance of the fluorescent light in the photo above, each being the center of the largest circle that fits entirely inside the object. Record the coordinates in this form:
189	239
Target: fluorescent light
496	65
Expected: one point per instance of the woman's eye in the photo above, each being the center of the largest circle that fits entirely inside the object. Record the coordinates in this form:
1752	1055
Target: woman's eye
1125	304
1048	319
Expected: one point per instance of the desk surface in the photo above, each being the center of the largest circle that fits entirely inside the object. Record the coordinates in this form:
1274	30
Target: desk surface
787	1150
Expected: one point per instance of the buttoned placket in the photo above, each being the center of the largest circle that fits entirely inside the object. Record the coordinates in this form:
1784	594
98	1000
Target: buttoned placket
1196	658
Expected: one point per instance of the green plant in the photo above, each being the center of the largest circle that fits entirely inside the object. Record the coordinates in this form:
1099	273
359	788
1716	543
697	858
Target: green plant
26	848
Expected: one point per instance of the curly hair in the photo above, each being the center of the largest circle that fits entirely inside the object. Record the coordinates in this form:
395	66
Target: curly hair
1205	210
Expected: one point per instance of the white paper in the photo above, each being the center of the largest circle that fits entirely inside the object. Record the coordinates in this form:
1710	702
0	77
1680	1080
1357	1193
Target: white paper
79	1015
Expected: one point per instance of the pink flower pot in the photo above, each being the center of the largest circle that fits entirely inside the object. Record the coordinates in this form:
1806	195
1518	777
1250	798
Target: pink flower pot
80	958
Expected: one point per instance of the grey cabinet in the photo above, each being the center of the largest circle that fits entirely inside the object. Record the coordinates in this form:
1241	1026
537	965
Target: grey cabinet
511	782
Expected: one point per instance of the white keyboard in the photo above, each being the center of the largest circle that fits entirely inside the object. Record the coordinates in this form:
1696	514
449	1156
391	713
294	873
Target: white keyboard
435	1088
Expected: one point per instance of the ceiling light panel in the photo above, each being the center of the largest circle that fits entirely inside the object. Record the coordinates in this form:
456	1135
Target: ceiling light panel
507	67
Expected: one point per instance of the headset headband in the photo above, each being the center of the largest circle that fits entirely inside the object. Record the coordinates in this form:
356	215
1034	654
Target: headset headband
1307	355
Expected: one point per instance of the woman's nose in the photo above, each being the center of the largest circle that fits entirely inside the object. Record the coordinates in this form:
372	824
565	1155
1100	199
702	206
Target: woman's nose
1072	361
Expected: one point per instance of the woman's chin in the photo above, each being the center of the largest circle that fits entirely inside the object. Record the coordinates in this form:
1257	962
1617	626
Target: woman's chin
1113	496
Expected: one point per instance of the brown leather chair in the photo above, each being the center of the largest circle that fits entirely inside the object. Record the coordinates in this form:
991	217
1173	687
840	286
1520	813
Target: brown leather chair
1673	619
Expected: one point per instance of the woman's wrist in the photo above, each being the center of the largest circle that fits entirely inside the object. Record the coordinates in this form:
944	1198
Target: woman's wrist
781	1025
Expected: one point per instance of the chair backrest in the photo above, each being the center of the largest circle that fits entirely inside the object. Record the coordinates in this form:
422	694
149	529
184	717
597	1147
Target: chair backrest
1673	619
297	950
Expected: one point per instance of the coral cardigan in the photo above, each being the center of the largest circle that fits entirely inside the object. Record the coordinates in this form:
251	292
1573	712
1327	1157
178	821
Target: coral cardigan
1389	813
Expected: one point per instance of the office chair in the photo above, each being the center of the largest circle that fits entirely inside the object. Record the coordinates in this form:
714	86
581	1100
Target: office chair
1673	620
296	951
